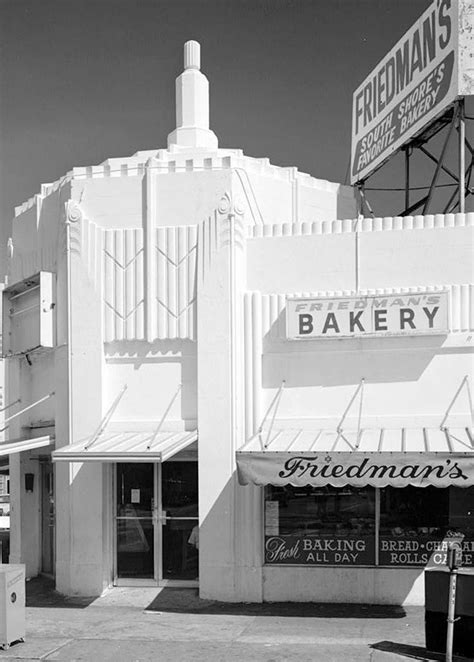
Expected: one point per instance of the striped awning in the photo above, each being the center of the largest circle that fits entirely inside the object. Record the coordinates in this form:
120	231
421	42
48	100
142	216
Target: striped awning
127	446
370	456
17	445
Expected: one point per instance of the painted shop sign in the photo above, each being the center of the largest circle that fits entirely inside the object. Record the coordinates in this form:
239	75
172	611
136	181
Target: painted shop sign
319	550
299	549
420	550
382	315
414	83
357	469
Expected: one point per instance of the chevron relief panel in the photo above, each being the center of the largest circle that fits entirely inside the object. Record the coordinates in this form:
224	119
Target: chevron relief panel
123	285
176	249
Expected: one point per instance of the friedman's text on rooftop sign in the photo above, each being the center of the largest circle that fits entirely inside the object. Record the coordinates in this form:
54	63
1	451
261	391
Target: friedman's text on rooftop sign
383	315
411	86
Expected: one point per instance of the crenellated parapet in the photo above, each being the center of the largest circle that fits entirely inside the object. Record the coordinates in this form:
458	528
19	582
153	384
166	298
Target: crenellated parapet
377	224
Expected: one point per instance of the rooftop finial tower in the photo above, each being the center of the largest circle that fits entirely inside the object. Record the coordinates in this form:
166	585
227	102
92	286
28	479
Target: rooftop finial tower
192	104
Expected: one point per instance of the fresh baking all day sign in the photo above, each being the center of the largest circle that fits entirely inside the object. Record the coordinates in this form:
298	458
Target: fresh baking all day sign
383	315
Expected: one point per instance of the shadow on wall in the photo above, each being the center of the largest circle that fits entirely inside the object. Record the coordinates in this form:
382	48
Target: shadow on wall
337	362
183	352
140	351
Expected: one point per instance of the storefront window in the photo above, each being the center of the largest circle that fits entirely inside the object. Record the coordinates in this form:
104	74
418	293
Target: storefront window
416	523
348	526
320	526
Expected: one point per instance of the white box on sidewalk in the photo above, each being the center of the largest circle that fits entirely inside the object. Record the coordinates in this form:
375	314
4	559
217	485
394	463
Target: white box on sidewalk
12	603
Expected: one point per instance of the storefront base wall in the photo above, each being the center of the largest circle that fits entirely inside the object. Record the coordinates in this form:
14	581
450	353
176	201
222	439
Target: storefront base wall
25	525
384	586
79	529
230	584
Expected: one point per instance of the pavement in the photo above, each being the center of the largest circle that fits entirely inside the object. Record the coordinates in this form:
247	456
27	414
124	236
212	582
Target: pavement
173	624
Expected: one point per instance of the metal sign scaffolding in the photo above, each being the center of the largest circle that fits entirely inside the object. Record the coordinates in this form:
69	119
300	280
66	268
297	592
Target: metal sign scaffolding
453	120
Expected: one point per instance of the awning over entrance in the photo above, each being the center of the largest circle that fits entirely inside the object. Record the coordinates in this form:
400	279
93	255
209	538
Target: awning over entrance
131	446
377	457
18	445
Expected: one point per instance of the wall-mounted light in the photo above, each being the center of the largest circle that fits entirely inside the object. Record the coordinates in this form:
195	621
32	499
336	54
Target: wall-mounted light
29	482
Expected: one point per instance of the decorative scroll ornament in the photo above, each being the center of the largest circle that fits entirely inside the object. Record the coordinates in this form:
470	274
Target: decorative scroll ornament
73	212
229	205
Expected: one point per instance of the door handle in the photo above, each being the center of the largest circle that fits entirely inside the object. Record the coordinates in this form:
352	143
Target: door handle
159	517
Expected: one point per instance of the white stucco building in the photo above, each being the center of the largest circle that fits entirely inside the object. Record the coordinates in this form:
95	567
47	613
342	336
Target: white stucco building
154	337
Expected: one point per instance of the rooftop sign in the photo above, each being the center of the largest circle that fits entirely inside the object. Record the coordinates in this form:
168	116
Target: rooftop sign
382	315
413	84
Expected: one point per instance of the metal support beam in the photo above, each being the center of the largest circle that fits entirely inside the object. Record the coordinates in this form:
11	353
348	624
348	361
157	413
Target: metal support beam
413	207
435	160
407	151
456	118
453	201
440	161
364	200
462	164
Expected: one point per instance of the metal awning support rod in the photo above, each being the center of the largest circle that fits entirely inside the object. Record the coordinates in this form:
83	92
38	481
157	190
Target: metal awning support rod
27	291
22	411
275	409
160	424
360	387
272	404
106	418
465	381
361	402
20	311
15	402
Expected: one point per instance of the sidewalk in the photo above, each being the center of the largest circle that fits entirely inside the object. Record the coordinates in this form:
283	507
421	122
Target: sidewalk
141	624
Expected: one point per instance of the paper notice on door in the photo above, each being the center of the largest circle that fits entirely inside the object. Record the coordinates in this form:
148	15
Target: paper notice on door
271	518
135	496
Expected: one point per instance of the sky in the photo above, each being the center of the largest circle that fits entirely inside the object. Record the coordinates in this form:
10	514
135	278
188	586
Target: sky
84	80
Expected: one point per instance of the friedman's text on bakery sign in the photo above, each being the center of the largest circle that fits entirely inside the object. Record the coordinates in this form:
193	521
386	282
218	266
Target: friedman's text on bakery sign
382	315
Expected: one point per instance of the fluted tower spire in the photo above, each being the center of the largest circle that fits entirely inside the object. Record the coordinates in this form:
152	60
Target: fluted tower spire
192	104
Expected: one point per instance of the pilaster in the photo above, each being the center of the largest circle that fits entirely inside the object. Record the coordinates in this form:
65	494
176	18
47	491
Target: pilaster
80	527
227	568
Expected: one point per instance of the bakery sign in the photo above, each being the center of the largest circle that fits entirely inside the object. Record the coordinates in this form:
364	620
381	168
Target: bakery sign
420	313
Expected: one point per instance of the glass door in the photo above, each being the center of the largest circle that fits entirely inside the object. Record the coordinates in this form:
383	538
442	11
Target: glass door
135	522
179	521
156	523
47	518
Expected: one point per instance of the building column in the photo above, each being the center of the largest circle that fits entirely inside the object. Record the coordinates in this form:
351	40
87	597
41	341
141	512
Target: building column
228	567
79	366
